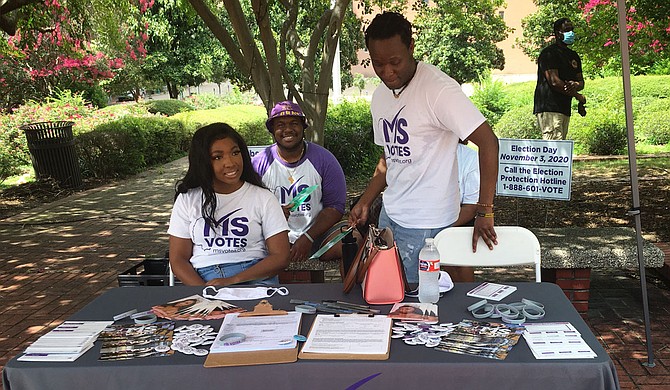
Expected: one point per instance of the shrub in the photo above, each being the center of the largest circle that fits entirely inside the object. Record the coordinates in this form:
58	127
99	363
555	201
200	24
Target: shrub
254	132
235	97
167	107
205	101
348	135
129	145
97	96
604	134
520	94
491	100
65	106
518	123
12	149
607	138
235	116
653	122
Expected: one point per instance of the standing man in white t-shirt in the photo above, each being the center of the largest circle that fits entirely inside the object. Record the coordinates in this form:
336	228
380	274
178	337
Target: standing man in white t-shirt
418	115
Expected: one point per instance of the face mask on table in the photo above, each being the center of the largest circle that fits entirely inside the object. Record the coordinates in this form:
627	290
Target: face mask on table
242	293
569	37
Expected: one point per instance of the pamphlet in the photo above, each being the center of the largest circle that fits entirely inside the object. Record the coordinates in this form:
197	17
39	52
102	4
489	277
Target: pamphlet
414	312
65	343
556	340
491	291
122	342
485	339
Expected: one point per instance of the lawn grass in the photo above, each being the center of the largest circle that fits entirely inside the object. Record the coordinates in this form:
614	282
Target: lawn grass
27	176
234	115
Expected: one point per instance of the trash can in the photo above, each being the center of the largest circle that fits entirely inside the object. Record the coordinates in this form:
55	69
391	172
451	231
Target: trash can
52	152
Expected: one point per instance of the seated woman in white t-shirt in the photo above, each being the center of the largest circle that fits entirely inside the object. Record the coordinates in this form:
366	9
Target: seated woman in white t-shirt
226	227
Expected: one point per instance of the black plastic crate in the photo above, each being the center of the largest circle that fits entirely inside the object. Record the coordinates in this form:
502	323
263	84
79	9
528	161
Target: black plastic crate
150	272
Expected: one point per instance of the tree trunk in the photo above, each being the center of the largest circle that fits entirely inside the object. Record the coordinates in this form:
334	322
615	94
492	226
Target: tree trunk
173	90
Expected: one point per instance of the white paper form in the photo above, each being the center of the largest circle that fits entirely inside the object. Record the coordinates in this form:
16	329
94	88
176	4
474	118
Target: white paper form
349	334
261	333
491	291
556	340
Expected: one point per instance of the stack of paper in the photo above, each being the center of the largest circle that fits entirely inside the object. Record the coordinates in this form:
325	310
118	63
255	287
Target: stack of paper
556	340
484	339
491	291
66	342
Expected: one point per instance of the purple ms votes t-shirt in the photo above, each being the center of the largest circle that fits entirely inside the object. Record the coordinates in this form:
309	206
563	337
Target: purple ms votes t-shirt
316	167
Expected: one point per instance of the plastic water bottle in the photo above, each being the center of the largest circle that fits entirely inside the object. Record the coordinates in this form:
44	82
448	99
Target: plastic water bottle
429	272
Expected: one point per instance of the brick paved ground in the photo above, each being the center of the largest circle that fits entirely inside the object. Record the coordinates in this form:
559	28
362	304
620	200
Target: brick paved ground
57	258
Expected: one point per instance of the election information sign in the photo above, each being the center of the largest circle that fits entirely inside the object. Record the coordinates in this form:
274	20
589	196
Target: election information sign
254	150
535	169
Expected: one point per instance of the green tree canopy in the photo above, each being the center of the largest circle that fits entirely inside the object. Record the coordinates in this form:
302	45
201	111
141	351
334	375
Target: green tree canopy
597	42
460	37
285	46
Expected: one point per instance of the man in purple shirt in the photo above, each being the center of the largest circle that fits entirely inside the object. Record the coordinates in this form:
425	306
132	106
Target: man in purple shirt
292	164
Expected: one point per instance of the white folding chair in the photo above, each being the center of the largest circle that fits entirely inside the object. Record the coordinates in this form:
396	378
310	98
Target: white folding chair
516	246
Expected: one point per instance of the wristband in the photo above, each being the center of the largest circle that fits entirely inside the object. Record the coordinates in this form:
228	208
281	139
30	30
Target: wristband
533	312
529	302
308	237
483	215
485	311
231	339
145	319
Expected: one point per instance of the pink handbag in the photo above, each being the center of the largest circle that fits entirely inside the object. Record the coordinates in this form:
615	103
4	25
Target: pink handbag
377	266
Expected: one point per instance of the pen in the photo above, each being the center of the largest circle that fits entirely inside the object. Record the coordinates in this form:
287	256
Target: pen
352	308
321	307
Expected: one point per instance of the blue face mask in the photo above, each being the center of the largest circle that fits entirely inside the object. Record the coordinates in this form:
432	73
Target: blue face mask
569	37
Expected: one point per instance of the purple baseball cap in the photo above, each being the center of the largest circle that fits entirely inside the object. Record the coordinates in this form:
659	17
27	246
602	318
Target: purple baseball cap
285	108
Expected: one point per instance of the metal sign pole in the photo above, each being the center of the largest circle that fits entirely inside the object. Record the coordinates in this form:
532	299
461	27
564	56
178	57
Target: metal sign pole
632	161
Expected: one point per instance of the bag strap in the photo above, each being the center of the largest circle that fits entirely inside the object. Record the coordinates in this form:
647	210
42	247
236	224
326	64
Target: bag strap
351	276
405	283
365	264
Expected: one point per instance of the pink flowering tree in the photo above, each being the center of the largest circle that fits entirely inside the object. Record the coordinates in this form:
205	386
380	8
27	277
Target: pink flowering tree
648	26
55	48
127	45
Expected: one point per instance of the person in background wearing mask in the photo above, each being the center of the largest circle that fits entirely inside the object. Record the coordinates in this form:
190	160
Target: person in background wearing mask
559	79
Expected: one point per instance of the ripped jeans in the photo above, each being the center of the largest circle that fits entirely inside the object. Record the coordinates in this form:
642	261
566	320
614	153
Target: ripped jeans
409	242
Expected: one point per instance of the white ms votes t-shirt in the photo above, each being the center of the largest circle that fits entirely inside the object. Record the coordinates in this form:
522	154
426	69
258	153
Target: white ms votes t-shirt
246	218
419	131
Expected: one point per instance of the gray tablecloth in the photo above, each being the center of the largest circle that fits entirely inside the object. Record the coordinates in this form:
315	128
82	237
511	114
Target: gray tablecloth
408	367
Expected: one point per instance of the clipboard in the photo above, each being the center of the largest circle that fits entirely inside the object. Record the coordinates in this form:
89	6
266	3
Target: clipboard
348	356
252	358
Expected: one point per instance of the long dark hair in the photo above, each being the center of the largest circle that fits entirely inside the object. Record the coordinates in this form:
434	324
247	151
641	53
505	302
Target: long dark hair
200	173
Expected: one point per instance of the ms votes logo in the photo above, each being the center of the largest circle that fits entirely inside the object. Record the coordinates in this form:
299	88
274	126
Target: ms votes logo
233	232
396	137
286	195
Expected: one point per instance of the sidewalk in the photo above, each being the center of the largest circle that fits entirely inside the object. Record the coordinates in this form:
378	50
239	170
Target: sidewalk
56	258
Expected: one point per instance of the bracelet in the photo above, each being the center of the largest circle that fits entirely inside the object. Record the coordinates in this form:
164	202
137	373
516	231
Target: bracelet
231	339
483	215
308	237
484	204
